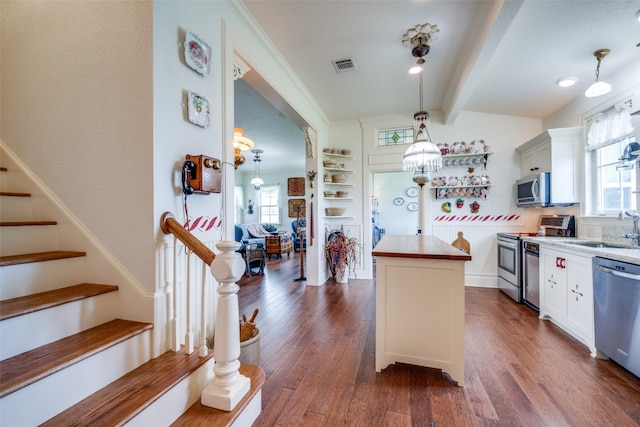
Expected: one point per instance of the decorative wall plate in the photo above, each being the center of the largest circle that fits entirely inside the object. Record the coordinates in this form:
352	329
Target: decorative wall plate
198	110
412	191
197	53
398	201
413	206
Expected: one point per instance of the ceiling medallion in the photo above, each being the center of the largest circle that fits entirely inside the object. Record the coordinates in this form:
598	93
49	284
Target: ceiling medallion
419	38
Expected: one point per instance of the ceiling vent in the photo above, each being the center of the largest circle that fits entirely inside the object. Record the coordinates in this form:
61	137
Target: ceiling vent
344	65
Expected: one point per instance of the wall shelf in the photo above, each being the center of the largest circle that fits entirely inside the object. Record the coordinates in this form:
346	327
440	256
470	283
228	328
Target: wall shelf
339	198
338	217
338	170
466	160
338	156
338	184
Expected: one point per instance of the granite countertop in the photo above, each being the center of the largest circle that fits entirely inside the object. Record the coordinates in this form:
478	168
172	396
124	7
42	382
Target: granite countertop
418	246
624	254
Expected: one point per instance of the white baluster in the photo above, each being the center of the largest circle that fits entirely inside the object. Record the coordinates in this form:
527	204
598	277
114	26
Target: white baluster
188	339
175	325
228	387
203	350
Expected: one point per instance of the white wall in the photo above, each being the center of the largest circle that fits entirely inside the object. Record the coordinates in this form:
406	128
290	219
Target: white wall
77	109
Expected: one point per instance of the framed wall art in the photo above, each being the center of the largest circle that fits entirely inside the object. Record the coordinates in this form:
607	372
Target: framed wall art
294	204
295	187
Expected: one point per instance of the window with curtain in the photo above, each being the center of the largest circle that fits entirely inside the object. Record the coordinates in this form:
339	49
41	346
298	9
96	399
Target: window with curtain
608	145
270	204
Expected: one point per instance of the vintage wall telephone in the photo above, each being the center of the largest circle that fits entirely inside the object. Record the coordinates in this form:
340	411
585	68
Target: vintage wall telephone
201	174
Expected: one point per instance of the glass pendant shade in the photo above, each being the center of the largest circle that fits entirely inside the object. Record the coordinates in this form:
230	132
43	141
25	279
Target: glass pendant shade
597	89
240	141
257	181
423	155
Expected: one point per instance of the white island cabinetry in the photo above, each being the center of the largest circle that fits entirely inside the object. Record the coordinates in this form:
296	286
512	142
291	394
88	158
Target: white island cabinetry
566	293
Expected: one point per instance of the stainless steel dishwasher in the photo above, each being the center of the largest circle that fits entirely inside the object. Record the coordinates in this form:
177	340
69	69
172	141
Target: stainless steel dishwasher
616	299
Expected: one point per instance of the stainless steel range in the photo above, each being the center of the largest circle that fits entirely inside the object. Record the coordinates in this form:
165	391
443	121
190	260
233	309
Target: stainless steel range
510	253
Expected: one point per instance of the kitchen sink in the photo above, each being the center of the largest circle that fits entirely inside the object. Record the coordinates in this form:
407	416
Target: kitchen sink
593	244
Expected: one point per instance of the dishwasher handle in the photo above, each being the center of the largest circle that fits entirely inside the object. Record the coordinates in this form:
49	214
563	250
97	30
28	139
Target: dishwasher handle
619	273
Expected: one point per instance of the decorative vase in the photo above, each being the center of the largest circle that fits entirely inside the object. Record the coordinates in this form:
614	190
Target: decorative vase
342	275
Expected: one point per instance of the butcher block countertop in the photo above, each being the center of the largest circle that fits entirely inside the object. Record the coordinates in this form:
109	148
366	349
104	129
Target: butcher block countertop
418	246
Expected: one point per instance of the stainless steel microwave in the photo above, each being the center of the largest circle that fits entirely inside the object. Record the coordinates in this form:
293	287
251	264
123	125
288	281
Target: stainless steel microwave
533	190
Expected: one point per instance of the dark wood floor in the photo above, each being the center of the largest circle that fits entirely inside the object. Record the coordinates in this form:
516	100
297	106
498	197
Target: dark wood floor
318	348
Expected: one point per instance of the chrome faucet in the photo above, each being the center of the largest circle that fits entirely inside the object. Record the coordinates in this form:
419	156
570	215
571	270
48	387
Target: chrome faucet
635	233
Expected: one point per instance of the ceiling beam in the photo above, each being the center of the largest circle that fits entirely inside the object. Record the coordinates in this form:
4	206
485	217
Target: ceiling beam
490	26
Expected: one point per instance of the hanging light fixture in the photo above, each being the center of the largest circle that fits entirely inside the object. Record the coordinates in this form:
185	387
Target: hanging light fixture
423	156
240	143
599	87
256	181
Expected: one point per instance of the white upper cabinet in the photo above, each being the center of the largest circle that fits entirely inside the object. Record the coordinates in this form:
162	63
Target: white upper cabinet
555	151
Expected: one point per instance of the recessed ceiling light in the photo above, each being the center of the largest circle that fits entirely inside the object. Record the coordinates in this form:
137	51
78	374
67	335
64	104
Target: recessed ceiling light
566	81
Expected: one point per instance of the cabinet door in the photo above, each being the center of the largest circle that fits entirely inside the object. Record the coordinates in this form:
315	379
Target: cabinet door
528	161
554	285
543	153
580	296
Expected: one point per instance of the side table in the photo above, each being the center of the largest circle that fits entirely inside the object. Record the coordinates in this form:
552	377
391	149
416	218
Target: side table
279	245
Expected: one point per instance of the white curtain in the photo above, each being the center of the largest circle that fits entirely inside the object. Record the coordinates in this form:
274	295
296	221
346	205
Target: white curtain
609	127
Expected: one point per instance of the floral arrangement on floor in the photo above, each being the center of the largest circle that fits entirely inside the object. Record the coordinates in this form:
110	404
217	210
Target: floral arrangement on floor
341	252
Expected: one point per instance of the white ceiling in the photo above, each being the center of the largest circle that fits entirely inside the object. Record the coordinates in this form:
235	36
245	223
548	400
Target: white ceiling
490	56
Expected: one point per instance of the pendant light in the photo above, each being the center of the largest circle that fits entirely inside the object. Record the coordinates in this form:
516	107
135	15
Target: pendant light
423	156
240	143
599	87
256	181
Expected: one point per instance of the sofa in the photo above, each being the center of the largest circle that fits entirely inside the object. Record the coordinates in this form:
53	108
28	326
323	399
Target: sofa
251	233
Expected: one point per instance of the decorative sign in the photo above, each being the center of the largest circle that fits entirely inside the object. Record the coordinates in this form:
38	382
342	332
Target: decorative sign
293	208
295	186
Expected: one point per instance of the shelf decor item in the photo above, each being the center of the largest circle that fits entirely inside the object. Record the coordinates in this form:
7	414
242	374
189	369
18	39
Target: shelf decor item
312	178
197	53
341	254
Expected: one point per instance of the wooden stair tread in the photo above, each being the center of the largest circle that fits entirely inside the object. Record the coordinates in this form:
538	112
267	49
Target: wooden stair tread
25	223
19	371
200	415
38	257
13	194
30	303
126	397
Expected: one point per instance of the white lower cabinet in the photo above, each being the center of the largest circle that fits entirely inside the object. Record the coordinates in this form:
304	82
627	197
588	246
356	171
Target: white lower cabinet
566	293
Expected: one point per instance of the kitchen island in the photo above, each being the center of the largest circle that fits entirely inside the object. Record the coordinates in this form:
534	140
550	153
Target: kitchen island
420	303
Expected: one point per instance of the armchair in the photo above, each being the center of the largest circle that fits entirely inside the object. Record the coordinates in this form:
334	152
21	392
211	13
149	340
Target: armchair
295	237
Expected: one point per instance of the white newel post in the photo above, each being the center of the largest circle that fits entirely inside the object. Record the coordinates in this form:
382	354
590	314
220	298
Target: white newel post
228	387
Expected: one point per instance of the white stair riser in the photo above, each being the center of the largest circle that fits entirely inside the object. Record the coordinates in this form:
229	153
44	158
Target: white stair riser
42	400
14	181
28	239
15	208
176	401
23	333
25	279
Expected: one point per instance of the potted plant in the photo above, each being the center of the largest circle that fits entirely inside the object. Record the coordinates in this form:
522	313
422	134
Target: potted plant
341	254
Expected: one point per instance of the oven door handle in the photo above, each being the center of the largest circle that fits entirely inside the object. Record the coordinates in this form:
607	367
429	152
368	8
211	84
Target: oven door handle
508	244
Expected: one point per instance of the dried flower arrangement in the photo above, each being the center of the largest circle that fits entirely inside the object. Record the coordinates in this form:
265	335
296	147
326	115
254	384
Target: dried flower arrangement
340	251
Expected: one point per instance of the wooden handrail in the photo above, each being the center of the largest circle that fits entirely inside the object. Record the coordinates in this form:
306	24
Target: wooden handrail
169	225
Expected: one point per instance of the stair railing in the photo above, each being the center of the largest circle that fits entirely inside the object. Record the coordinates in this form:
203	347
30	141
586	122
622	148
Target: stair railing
228	386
